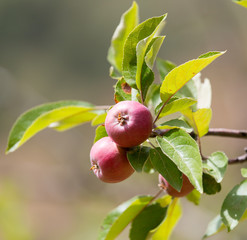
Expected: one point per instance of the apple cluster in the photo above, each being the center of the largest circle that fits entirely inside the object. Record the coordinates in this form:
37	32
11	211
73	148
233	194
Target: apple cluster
128	124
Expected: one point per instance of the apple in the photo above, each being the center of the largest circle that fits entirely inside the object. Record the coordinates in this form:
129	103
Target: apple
187	187
109	161
129	123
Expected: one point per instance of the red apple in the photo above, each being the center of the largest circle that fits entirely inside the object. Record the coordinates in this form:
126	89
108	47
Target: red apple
129	123
187	187
109	162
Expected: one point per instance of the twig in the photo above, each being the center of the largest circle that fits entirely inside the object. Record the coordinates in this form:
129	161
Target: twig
160	111
239	159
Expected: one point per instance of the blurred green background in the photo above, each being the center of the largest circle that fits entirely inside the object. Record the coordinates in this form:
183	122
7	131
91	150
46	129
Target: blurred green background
56	50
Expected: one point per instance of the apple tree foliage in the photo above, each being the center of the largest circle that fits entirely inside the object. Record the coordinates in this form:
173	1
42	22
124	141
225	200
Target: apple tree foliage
180	103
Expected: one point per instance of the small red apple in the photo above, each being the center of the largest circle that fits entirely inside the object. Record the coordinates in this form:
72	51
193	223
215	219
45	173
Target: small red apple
109	162
129	123
187	187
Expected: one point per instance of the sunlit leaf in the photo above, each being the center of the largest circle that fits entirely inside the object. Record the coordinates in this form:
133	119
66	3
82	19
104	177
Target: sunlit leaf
173	215
40	117
166	167
99	119
199	120
234	205
138	156
216	165
100	132
146	221
180	75
73	121
182	149
194	197
128	22
241	2
120	217
139	33
176	105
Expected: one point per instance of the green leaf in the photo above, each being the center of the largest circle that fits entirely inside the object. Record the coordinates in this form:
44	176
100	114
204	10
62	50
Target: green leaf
122	91
194	197
143	45
147	29
188	90
100	132
174	213
153	96
216	165
244	172
114	74
164	67
176	123
182	149
138	156
241	2
166	168
148	166
216	225
180	75
199	120
153	51
128	22
99	119
120	217
175	105
234	205
210	186
40	117
147	220
146	77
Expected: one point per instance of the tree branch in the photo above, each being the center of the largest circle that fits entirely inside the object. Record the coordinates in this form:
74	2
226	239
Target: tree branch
239	159
223	132
220	132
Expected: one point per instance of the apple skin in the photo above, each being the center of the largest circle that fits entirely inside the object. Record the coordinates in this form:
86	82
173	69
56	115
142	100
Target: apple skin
129	123
187	187
109	162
